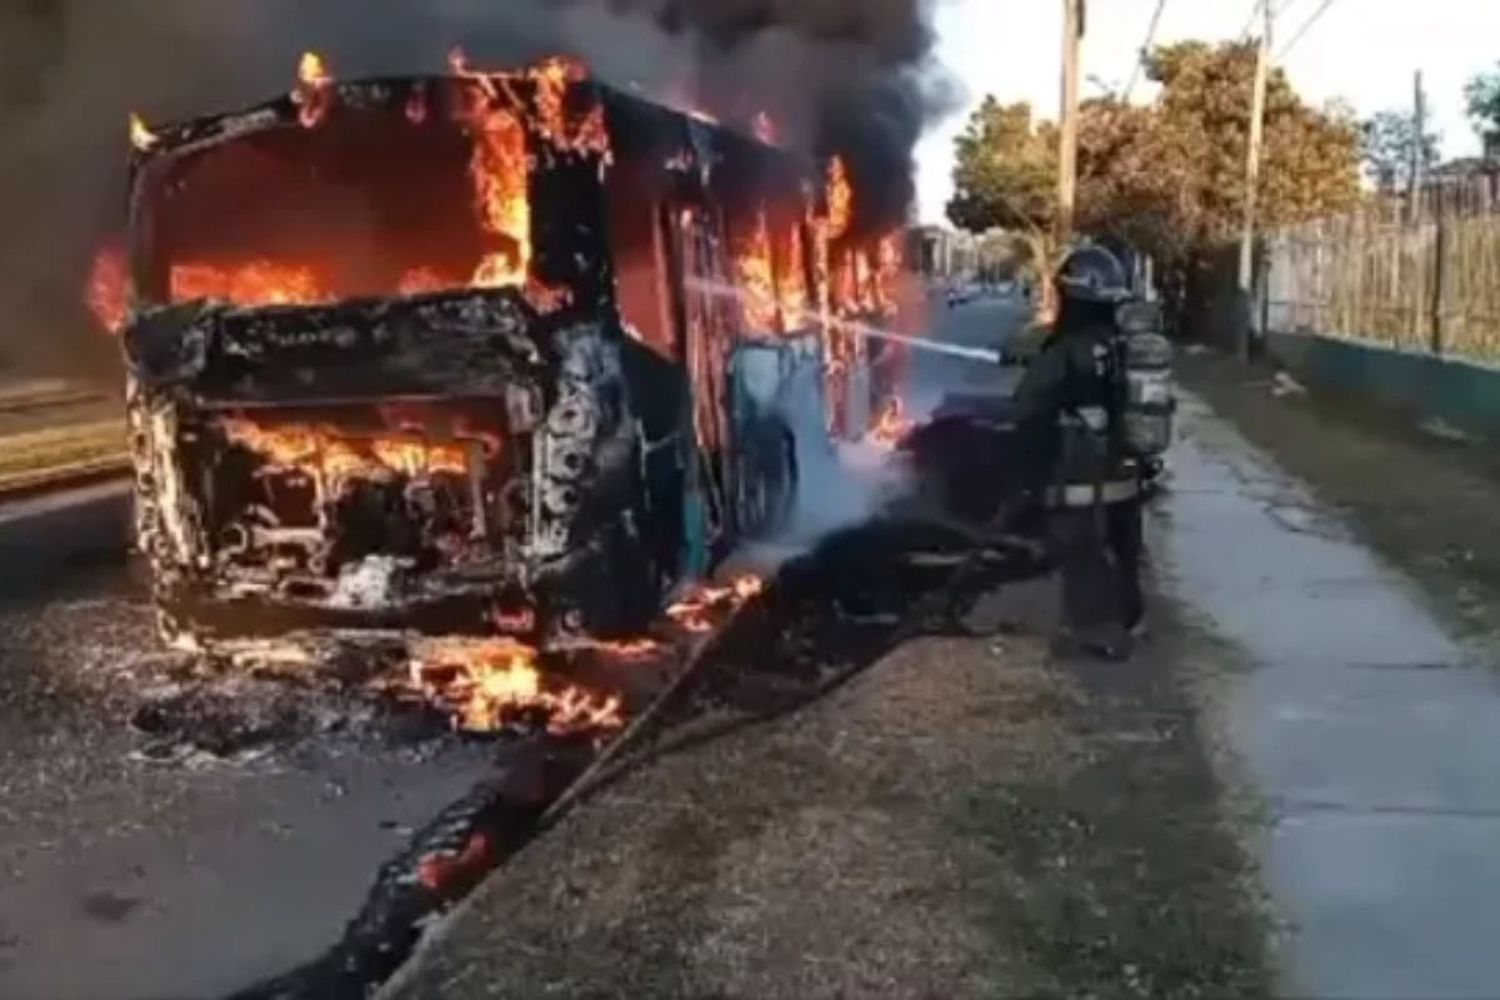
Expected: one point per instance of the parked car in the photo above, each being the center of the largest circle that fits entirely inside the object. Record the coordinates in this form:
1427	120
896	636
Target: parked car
962	293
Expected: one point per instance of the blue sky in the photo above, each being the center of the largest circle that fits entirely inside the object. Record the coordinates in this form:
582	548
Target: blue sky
1364	51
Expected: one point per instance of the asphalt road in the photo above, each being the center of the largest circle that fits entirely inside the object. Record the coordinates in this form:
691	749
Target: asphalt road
132	876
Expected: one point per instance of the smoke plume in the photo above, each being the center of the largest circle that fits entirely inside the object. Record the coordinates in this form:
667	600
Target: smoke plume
853	76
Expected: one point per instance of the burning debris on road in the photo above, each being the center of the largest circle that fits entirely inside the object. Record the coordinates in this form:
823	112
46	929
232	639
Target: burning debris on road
696	612
826	616
485	683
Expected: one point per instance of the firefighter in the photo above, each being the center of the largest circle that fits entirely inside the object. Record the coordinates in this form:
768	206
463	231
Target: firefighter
1067	410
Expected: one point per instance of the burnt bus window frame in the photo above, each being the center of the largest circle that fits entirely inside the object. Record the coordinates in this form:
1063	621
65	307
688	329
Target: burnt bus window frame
566	248
635	189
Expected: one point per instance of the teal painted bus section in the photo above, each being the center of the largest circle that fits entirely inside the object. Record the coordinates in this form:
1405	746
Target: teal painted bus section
695	554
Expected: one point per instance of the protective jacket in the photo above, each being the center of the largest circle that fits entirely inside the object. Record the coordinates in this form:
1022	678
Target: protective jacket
1067	409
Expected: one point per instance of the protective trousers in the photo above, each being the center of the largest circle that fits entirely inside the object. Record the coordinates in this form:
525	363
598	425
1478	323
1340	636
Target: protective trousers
1098	550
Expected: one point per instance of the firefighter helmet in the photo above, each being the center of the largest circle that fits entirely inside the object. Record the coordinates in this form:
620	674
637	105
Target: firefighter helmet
1092	274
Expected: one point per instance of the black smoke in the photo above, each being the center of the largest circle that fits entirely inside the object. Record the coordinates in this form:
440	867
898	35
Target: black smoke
849	76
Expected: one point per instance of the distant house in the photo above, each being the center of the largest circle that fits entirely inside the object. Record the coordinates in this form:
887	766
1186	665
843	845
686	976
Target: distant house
1492	146
927	250
1465	169
1486	164
939	252
1466	185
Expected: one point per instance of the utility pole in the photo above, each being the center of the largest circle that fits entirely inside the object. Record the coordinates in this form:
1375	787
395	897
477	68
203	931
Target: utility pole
1418	150
1067	158
1252	179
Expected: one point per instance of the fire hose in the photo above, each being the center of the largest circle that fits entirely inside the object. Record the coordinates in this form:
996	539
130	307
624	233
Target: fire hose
924	344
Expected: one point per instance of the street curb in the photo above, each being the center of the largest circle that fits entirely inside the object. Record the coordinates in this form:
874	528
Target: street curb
43	535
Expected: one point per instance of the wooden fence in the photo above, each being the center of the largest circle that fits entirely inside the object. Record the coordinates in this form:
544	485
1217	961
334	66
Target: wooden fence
1422	281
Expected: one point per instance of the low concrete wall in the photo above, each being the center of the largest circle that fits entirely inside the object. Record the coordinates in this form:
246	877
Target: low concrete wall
1462	393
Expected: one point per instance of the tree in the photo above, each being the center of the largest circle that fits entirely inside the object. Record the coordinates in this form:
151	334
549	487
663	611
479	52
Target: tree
1390	140
1169	177
1005	174
1482	98
1199	133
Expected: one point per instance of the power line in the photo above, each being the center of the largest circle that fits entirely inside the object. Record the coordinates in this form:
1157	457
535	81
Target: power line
1255	6
1277	11
1145	51
1306	27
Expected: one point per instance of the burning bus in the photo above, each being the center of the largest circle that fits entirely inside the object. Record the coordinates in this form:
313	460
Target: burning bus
477	354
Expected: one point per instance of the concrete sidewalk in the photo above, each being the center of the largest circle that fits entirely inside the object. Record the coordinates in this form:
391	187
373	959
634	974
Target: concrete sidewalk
1365	725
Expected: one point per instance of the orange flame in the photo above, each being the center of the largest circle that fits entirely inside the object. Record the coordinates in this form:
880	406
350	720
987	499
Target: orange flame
500	164
593	135
141	137
628	648
888	270
109	289
500	169
696	612
753	263
822	265
257	283
791	277
312	71
552	77
893	426
458	65
313	94
864	280
846	284
339	456
840	199
546	298
439	870
517	620
488	683
420	280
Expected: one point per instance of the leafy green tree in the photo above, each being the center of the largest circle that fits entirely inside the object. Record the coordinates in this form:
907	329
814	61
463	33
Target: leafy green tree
1006	170
1168	177
1390	148
1482	98
1005	176
1198	134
